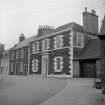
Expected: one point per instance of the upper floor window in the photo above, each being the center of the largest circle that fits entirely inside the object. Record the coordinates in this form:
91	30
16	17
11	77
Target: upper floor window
12	55
45	44
58	64
35	65
58	41
17	54
21	53
35	47
78	40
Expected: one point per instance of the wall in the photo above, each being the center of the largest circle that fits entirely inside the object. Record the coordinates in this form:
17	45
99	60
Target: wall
76	69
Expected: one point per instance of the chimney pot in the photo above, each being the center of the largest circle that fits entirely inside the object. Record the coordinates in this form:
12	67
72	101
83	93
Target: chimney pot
85	9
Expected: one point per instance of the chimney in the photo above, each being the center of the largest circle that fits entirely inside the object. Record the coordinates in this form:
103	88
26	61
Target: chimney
90	21
21	38
44	29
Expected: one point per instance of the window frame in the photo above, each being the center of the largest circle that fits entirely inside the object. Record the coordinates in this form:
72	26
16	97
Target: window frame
82	40
76	45
55	64
12	66
21	70
33	47
12	55
44	46
22	53
59	37
35	64
17	54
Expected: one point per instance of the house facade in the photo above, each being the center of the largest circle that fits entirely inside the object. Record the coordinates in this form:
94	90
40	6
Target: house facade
65	51
5	63
19	57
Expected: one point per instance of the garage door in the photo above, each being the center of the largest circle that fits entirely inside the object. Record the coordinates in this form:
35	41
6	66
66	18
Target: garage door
88	69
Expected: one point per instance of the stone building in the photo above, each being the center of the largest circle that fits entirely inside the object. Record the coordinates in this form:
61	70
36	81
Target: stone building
69	50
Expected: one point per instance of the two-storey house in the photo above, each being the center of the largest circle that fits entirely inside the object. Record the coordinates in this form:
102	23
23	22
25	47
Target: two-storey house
19	56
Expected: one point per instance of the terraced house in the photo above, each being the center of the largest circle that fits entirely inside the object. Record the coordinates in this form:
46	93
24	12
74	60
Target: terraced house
64	51
20	57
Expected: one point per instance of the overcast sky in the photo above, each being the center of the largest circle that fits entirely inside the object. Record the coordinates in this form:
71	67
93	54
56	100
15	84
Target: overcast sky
24	16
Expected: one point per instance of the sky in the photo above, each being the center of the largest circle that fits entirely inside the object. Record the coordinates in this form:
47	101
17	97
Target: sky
25	16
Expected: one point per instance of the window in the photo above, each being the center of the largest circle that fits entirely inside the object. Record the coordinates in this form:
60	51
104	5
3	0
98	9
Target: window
21	66
78	40
12	67
58	42
75	40
58	64
45	44
17	54
35	65
12	55
22	53
35	47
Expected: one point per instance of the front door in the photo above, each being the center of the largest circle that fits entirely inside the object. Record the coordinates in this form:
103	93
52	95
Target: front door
44	64
16	68
25	69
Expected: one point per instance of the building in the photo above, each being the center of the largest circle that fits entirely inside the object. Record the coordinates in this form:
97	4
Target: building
1	55
66	51
19	56
102	53
5	60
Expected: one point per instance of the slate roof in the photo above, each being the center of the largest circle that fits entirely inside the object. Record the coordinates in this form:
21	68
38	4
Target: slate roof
62	28
24	43
91	50
65	27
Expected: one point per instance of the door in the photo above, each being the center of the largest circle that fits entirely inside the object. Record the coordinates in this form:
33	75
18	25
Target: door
44	64
16	68
87	69
25	69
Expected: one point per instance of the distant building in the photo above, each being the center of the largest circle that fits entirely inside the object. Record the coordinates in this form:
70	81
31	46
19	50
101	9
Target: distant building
5	62
20	56
1	55
66	51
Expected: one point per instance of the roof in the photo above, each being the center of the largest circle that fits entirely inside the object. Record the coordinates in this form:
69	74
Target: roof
49	33
102	29
62	28
24	43
91	50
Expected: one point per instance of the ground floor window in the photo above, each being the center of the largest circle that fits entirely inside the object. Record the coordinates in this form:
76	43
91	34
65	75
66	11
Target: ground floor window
21	66
35	65
12	67
58	64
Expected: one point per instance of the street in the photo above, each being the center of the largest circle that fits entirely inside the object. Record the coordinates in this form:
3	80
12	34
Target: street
18	90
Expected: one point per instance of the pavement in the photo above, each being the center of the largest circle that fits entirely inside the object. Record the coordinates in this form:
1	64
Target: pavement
78	92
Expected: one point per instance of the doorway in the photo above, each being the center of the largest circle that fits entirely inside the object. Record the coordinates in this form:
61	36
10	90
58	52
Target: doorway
88	69
25	69
45	63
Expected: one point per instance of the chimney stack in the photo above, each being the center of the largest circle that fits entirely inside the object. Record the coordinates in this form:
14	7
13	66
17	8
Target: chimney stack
90	21
21	38
44	29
